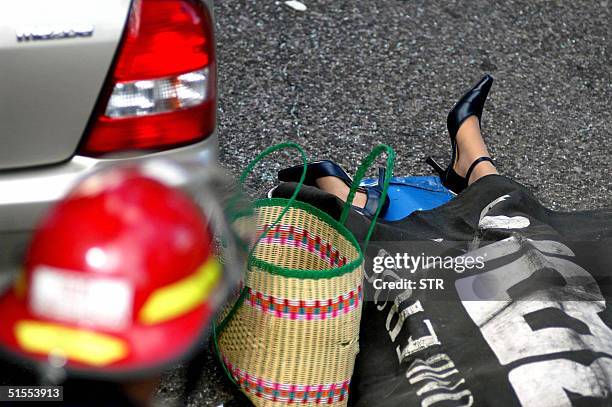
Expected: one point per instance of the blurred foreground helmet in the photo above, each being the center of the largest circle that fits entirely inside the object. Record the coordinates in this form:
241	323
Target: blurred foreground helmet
120	277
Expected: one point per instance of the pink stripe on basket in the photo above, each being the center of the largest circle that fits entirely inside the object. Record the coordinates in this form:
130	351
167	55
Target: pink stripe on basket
291	235
304	309
328	393
331	391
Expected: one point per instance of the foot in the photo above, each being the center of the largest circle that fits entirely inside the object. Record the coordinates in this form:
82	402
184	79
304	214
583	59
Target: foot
337	187
470	146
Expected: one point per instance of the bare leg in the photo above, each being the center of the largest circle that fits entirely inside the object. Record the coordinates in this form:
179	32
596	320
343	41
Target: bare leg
337	187
471	146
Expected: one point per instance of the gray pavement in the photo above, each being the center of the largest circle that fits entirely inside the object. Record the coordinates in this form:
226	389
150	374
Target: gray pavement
343	76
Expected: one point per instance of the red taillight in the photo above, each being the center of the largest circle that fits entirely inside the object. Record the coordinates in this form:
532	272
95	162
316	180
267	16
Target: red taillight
162	90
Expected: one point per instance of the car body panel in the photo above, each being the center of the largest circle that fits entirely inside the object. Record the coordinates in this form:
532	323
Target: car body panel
49	87
48	90
27	194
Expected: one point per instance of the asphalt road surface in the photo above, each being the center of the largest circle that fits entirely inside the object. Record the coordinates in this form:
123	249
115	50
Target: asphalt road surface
343	76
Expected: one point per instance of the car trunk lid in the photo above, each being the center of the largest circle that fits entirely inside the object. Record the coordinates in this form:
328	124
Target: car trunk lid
54	58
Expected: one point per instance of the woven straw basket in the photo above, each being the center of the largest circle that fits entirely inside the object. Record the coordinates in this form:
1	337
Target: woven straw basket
293	335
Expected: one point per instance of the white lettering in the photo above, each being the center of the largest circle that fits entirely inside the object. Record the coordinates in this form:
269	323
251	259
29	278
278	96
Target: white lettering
555	377
416	345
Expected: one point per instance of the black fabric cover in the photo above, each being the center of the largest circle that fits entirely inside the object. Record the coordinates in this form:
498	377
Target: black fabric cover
531	326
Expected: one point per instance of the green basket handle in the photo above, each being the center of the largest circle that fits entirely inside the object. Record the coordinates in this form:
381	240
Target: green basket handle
365	165
249	169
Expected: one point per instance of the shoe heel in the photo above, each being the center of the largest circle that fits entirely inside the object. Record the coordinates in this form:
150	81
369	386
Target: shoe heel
430	161
381	177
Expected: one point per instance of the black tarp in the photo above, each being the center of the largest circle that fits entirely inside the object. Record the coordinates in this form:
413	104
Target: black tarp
529	323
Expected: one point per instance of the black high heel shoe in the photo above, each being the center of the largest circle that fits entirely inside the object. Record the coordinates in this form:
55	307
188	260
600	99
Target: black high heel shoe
373	197
314	171
471	104
328	168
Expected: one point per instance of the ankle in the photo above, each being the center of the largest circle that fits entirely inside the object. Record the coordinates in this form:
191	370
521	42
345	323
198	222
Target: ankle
470	146
481	170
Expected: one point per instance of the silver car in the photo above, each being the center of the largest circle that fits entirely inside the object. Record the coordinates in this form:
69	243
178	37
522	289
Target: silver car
86	84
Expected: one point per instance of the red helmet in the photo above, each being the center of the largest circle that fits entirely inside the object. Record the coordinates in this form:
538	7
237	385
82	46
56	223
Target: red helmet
119	277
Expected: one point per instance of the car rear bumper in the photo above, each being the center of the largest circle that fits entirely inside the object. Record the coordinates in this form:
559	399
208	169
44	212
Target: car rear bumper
26	194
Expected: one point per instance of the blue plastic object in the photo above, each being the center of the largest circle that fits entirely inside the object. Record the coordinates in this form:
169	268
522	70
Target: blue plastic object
409	194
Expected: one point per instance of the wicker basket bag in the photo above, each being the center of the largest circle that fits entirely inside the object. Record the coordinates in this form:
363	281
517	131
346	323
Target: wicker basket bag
293	335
